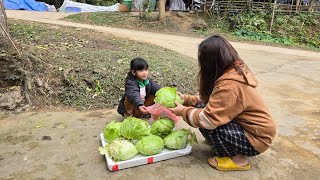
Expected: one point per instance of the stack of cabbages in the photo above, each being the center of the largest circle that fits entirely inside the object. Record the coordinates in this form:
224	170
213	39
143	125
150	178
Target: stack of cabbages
132	136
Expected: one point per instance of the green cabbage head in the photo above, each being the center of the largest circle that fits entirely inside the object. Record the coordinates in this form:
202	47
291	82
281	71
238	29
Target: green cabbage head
166	96
178	139
134	128
150	145
112	131
162	127
120	150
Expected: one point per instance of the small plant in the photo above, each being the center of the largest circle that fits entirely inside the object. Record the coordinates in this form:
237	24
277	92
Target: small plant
145	11
98	88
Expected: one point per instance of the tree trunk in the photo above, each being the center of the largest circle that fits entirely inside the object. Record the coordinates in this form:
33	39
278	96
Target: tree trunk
3	26
162	10
3	17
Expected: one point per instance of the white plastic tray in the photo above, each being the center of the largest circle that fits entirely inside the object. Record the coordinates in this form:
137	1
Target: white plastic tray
140	159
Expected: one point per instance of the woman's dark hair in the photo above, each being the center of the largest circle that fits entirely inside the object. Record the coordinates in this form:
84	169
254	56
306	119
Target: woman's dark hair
215	55
138	64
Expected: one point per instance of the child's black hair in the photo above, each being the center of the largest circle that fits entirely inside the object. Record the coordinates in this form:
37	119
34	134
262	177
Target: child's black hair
138	64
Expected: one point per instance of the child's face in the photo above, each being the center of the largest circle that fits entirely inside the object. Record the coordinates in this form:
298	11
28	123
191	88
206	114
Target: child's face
141	74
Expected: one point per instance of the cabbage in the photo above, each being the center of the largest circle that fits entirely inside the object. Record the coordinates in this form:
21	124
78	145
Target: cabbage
178	139
162	127
150	145
166	96
112	131
178	99
134	128
119	150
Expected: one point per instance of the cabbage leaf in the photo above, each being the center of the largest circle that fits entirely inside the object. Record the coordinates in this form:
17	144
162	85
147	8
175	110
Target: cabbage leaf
134	128
166	96
150	145
112	131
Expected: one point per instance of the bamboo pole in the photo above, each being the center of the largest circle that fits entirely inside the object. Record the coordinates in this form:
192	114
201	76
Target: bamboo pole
311	5
297	5
273	12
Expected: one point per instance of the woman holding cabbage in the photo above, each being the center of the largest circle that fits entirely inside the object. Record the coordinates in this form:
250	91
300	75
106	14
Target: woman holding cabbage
235	120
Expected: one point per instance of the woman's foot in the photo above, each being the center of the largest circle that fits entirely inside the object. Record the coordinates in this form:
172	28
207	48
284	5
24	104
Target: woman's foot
239	160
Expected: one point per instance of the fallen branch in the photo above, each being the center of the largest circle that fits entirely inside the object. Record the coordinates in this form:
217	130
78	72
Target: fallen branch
26	94
27	79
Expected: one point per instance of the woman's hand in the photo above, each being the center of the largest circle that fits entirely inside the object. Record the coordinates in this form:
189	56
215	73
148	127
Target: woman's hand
181	96
143	109
177	110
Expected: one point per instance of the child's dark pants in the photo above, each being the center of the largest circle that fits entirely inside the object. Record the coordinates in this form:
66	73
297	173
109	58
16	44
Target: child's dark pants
131	110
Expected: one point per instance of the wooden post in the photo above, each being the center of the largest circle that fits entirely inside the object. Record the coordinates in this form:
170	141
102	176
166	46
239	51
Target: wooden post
311	5
272	17
227	9
298	5
197	15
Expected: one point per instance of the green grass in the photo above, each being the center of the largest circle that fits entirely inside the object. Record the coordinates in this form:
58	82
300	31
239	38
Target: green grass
100	18
126	21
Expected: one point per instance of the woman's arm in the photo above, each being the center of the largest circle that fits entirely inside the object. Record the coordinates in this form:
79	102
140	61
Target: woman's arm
223	106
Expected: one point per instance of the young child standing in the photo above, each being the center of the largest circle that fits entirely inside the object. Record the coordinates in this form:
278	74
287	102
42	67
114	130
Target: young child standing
235	120
139	90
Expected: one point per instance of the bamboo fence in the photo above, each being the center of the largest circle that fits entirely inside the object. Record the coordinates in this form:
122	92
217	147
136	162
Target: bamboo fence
235	6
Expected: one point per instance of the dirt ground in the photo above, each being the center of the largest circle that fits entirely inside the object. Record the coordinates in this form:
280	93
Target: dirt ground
63	144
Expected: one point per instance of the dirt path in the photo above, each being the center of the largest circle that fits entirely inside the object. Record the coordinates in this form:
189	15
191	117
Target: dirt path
289	82
182	44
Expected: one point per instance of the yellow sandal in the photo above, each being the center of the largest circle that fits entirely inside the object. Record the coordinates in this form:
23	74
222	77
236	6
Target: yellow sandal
226	164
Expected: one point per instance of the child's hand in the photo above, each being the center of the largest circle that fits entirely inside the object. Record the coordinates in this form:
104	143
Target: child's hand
143	110
177	110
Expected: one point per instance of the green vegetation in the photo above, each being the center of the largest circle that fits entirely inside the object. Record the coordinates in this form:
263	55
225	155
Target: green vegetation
100	18
300	30
148	20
